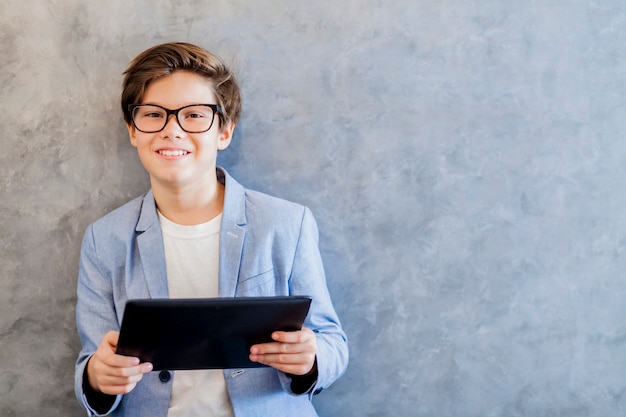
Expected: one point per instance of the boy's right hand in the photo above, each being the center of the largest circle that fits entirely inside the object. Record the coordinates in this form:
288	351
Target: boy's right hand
114	374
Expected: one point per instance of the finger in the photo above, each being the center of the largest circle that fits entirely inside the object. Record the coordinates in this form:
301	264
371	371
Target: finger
269	348
279	358
116	387
126	362
113	380
105	369
113	360
293	364
111	338
300	336
286	342
291	342
283	349
125	375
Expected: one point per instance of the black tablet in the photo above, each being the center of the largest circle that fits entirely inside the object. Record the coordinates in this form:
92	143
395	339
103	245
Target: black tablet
206	333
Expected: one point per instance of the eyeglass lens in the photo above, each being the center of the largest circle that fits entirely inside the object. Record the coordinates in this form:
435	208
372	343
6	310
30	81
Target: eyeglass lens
192	119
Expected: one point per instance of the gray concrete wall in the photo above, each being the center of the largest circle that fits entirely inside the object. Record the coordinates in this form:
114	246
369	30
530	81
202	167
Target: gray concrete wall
465	160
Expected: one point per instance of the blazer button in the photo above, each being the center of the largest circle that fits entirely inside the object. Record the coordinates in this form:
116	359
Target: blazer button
164	376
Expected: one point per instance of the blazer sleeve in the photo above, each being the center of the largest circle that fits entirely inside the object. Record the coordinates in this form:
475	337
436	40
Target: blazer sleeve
308	278
95	315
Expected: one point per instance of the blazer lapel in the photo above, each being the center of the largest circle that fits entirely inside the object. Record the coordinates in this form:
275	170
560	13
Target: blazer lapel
232	233
151	252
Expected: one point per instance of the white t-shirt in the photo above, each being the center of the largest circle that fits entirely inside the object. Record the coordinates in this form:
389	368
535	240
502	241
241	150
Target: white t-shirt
192	263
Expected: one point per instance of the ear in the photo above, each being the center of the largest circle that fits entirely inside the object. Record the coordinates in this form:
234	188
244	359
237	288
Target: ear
131	134
226	134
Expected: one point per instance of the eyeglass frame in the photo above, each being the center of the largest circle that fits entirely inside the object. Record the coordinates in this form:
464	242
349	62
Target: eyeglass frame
215	107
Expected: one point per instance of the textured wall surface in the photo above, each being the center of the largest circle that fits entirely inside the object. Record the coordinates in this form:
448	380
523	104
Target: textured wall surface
465	160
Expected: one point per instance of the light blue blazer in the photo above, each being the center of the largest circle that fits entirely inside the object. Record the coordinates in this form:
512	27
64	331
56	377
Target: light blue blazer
268	246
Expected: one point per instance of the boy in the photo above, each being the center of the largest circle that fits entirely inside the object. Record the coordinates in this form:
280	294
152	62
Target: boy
199	233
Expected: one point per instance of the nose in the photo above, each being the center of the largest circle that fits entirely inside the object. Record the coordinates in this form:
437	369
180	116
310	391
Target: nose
172	129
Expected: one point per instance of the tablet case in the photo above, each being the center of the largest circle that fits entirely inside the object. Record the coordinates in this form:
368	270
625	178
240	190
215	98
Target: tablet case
205	333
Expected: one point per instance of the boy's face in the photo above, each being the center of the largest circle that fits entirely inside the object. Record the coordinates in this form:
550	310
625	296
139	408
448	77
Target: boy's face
175	158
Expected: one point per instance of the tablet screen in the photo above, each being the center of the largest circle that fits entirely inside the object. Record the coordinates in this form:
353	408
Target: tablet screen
206	333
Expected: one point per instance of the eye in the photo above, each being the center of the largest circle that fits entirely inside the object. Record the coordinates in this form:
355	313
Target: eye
148	112
194	114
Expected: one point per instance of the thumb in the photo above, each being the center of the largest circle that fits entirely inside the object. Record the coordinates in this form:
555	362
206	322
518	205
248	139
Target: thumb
112	338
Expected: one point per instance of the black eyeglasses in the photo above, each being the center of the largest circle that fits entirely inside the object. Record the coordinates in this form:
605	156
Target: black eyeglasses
195	118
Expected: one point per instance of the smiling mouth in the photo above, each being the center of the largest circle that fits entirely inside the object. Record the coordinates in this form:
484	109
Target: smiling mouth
172	153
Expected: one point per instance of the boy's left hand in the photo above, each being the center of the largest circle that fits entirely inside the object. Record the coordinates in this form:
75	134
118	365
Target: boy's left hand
291	352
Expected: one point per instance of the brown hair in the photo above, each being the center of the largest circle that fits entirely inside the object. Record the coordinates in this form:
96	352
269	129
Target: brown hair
167	58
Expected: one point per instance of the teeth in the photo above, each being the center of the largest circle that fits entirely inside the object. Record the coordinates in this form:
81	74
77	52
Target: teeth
173	153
